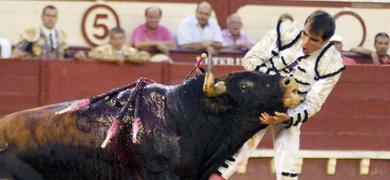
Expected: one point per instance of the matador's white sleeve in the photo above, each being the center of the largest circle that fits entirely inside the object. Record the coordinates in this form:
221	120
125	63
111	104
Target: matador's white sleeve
314	100
328	73
263	50
260	52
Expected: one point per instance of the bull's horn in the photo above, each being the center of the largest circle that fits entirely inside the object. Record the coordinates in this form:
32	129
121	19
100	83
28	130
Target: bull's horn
210	88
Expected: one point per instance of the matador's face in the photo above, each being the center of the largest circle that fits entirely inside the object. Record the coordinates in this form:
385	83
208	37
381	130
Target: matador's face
311	42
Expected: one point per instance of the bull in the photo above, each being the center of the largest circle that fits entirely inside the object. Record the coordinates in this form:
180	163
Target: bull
185	131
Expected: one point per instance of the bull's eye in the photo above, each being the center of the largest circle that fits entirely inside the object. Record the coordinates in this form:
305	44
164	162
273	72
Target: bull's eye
246	84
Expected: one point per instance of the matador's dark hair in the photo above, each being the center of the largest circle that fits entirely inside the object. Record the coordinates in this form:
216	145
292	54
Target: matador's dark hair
321	23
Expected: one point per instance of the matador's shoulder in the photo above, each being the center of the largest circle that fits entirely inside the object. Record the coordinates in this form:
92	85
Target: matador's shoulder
63	36
30	34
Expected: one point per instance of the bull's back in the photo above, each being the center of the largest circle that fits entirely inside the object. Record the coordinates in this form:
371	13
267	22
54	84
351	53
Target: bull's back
29	129
55	145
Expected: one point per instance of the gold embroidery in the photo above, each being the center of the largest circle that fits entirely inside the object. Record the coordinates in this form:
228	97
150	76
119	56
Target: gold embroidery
37	50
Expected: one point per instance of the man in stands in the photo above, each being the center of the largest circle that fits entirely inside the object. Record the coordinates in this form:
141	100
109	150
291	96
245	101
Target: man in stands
337	42
151	35
199	32
381	44
45	41
233	37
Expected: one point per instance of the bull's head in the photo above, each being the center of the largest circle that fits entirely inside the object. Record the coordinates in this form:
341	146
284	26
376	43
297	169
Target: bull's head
254	89
234	103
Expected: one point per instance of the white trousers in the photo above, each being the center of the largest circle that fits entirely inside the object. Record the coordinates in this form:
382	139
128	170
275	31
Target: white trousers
286	146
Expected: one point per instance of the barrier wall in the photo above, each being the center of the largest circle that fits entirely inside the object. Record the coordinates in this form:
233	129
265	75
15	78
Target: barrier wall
356	116
20	85
361	97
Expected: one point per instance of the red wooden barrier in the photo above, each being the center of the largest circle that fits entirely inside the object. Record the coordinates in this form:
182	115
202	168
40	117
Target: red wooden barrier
355	117
360	98
357	112
65	80
19	85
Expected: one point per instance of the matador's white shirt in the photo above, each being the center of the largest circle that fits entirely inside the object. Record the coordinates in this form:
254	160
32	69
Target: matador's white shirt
316	75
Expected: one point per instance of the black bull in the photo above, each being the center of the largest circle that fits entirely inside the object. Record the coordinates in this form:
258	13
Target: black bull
181	133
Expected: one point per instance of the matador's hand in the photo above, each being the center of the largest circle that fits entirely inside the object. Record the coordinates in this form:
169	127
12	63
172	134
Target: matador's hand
265	118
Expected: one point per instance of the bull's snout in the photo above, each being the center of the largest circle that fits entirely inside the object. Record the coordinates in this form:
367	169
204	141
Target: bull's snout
291	98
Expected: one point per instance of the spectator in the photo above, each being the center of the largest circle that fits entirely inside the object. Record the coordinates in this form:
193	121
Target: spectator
381	44
337	42
233	37
151	35
116	51
43	42
5	48
199	32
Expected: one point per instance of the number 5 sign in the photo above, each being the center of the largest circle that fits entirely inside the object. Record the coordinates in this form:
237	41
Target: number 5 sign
97	22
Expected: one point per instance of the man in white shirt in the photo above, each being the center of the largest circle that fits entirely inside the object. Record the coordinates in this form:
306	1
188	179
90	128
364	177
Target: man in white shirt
199	32
305	54
45	42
